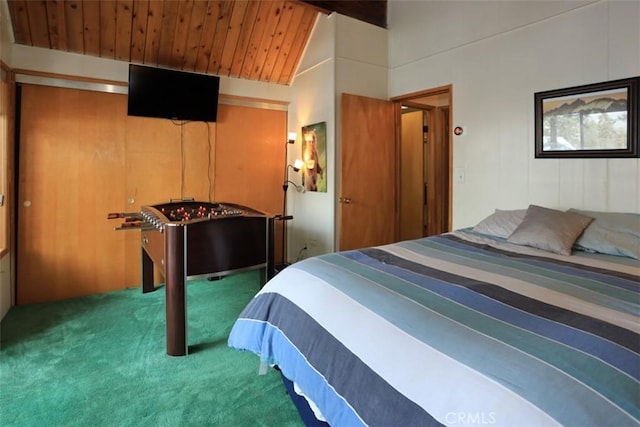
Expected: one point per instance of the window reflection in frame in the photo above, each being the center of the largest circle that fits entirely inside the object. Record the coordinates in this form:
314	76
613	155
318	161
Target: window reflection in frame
596	121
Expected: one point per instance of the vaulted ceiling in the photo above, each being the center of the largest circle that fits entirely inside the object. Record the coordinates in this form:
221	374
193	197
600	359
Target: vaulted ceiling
257	39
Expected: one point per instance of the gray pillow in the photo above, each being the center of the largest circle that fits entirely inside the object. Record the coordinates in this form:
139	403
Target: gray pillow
613	233
501	223
549	229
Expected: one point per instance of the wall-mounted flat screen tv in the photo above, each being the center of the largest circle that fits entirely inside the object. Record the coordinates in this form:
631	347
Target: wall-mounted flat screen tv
172	94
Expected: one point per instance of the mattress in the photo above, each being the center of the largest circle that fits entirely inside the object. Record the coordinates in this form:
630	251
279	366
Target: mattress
455	329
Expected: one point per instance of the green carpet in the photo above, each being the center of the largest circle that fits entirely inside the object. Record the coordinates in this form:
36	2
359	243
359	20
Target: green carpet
101	360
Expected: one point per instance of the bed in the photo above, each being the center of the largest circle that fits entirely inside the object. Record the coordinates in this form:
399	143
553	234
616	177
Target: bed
471	327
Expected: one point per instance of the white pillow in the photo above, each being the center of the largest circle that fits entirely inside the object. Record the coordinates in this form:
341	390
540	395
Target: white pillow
501	223
613	233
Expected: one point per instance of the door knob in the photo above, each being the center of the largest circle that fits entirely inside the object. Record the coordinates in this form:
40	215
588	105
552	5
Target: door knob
345	200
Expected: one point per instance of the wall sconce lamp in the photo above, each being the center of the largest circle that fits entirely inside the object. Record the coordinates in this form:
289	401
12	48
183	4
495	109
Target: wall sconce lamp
297	165
299	188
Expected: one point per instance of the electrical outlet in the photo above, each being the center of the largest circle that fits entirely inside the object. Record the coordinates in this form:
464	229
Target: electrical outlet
301	253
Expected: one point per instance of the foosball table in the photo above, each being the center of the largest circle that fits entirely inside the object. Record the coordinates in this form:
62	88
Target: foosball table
191	239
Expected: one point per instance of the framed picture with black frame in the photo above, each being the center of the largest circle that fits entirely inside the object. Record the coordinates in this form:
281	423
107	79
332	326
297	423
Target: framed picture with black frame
590	121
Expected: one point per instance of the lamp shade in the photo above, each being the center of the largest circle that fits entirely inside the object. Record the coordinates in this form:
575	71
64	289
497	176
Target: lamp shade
298	164
292	137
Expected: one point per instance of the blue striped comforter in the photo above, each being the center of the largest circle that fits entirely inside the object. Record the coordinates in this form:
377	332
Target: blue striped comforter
456	329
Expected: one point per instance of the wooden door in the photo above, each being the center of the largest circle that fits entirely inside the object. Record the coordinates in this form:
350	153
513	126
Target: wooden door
412	183
71	173
429	191
437	154
368	180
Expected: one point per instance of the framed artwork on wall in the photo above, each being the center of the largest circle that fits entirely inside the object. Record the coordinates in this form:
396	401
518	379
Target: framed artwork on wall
591	121
314	156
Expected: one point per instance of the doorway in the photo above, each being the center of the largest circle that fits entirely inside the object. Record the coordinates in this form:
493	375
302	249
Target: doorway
425	163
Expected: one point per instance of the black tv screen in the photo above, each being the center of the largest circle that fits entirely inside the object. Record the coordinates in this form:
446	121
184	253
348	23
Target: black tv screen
172	94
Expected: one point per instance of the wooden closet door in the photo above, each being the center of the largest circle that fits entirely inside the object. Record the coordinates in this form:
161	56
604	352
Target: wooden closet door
71	174
82	157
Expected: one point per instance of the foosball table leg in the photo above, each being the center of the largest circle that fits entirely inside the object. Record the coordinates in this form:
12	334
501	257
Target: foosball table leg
147	273
175	291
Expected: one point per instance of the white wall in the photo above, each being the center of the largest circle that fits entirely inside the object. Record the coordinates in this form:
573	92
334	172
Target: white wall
313	101
71	64
343	56
496	55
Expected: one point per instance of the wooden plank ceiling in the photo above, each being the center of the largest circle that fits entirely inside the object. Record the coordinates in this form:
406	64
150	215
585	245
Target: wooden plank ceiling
259	40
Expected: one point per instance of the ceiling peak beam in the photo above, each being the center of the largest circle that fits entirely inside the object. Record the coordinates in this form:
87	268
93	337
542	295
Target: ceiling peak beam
371	11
